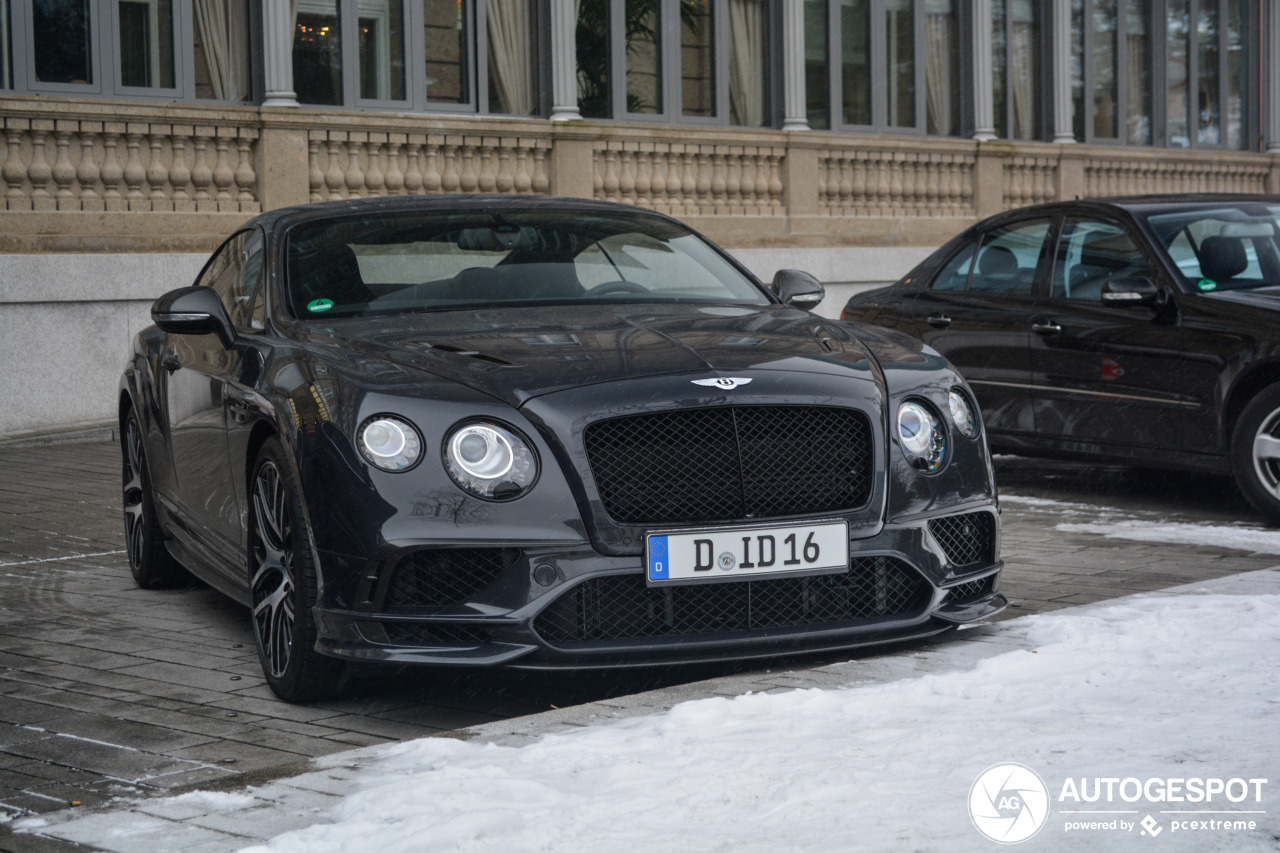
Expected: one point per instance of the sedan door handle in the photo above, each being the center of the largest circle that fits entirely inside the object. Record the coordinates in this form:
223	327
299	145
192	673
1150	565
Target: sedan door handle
1046	328
938	321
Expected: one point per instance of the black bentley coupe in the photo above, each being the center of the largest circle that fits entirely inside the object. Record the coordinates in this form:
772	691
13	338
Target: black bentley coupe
1142	330
542	433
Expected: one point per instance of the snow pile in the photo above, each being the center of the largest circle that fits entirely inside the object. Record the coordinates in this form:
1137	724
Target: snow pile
1241	537
1158	686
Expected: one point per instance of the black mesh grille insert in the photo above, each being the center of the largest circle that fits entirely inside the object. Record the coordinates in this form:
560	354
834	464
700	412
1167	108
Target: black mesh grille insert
446	576
733	462
968	539
970	591
624	607
419	634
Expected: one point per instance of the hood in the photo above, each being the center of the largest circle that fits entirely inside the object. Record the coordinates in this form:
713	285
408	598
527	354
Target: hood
516	354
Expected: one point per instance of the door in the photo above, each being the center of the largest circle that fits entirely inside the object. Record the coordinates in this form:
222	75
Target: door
1105	374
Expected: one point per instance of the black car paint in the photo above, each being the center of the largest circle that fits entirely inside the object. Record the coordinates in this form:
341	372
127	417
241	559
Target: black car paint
311	384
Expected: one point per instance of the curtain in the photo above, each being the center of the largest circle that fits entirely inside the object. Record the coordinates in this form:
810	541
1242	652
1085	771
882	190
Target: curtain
939	29
224	34
746	63
510	56
1022	80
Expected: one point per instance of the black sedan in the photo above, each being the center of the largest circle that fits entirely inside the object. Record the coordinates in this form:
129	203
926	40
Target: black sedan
1140	330
543	433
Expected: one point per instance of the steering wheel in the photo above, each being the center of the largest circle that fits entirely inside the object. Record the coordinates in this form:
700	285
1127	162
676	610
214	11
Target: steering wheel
616	287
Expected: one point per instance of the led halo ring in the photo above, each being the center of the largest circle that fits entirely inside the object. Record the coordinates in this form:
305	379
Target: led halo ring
482	451
490	460
963	413
389	443
921	436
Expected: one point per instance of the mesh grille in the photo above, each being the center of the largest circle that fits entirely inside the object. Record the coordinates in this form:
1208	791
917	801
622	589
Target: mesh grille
704	465
970	591
624	607
416	634
967	539
445	577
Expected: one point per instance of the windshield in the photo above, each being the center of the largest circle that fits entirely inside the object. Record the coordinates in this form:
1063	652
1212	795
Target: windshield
397	263
1225	247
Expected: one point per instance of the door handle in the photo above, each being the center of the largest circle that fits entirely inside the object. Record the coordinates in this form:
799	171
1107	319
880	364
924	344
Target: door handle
169	361
939	321
1046	328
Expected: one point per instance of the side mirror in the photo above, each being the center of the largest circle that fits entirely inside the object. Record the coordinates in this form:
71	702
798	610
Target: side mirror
193	311
1130	290
798	289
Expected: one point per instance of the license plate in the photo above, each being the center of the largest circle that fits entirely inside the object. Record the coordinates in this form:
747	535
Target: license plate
729	554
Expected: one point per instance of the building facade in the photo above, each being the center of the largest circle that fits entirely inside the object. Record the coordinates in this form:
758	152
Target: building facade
848	137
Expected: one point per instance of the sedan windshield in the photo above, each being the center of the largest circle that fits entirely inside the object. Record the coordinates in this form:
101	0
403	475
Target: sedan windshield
399	263
1224	247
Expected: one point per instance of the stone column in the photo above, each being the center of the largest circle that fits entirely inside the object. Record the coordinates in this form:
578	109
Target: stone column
1063	126
795	113
984	119
564	61
1271	82
277	53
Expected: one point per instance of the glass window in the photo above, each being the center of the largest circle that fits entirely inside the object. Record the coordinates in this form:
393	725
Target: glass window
446	40
1008	258
817	84
1137	76
1222	248
146	43
1178	73
220	43
941	67
317	53
1015	48
1209	104
380	36
855	61
697	59
643	56
1089	253
748	62
63	35
234	274
900	37
594	59
6	49
955	275
513	57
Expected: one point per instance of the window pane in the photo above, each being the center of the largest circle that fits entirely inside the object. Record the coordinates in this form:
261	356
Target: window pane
748	63
317	53
380	29
855	61
1077	69
1104	69
1207	83
941	71
644	78
1236	80
817	88
999	69
1008	258
1024	68
62	33
221	49
146	43
513	57
1177	73
1090	253
1138	71
6	52
900	39
446	38
697	59
594	79
955	275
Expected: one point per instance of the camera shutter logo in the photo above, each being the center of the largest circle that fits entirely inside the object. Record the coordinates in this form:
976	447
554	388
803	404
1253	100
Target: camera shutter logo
1008	803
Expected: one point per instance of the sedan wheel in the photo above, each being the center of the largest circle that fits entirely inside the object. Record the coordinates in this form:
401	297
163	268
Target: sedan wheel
1255	453
149	560
283	586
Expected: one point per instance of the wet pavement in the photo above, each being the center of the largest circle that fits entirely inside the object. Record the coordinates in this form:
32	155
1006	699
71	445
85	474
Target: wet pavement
107	690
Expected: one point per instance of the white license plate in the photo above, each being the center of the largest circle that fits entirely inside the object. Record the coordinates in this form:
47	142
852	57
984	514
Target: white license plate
728	554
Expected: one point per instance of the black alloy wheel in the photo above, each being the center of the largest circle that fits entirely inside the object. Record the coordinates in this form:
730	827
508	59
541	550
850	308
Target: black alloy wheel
283	585
152	565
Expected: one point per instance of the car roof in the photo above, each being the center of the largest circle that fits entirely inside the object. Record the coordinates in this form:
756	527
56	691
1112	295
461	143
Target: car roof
1147	204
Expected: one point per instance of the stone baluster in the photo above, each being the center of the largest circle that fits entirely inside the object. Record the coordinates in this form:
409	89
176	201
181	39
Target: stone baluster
246	178
449	180
775	180
201	173
334	178
487	173
112	172
353	178
394	178
413	177
134	173
505	180
39	173
88	169
611	181
541	170
644	179
315	175
179	170
432	170
15	170
374	183
64	173
523	179
469	181
157	174
224	175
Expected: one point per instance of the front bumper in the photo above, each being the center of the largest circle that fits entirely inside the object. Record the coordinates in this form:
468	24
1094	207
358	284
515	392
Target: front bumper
544	606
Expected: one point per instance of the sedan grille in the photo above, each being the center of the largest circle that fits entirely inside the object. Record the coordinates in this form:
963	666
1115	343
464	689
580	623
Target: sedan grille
446	576
624	607
732	462
967	540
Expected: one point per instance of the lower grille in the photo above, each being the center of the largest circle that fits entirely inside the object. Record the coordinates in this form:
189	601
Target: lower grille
624	607
410	634
446	576
971	591
967	540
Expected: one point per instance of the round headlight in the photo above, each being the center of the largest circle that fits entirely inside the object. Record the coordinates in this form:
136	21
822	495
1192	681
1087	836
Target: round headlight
923	441
962	414
490	461
390	443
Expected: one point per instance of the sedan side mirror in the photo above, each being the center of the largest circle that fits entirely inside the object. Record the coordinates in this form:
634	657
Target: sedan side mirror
1130	290
798	289
193	311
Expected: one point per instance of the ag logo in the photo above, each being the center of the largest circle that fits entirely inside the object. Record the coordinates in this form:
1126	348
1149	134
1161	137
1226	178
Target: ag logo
1008	803
728	383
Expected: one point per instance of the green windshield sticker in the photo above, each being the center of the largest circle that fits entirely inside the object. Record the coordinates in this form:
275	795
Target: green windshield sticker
317	306
1207	284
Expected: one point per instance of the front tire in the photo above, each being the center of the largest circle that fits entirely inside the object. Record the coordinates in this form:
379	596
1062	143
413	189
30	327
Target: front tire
1255	453
150	562
284	585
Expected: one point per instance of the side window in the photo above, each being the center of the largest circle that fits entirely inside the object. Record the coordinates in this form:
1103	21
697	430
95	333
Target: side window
235	274
1008	258
955	275
1090	252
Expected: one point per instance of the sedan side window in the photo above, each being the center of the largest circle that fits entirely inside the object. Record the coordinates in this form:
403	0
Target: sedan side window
1091	252
235	274
955	275
1008	258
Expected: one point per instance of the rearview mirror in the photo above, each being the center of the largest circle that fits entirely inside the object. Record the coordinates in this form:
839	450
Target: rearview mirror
193	311
1130	290
798	289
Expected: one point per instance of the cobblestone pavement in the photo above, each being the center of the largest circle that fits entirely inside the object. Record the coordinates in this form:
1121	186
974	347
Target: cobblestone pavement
107	690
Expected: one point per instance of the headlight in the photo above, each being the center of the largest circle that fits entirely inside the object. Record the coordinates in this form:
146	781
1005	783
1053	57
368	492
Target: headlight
923	441
390	443
962	414
490	461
